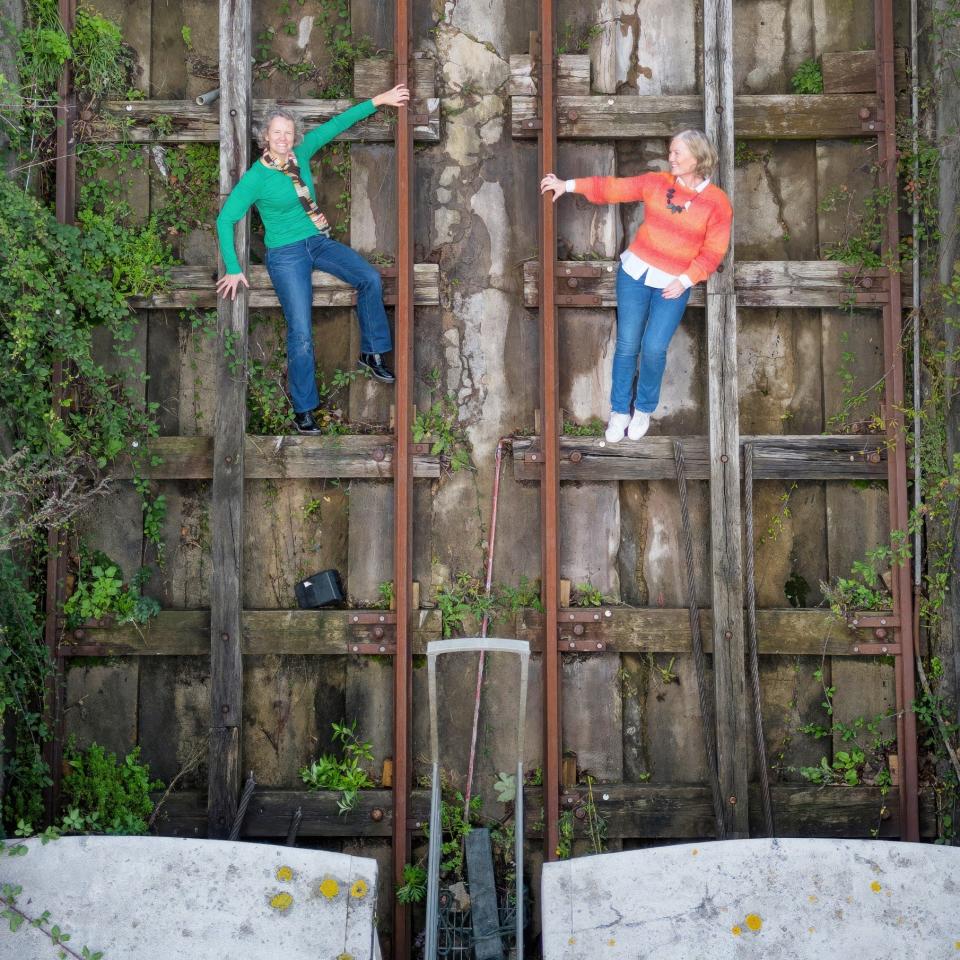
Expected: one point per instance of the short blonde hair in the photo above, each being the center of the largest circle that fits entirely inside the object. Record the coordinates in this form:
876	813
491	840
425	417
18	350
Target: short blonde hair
704	152
272	114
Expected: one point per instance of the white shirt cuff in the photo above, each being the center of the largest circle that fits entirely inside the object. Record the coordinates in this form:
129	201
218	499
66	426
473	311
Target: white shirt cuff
570	184
685	280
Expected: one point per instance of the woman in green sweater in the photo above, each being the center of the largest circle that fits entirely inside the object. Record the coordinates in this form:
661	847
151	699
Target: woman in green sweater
298	242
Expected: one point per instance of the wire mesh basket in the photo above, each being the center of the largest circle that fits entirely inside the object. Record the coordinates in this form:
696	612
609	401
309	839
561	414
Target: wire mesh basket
455	938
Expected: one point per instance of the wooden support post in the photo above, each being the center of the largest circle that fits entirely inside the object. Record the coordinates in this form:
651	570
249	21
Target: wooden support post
725	525
226	662
403	481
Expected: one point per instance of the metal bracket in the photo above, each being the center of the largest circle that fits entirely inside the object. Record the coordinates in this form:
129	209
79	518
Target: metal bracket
420	449
878	649
871	621
581	631
534	123
869	287
871	120
577	300
592	270
377	630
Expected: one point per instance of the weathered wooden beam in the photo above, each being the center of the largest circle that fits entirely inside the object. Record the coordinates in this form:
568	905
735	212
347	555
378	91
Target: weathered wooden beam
184	121
661	811
182	633
356	456
193	286
836	457
573	76
226	498
855	71
757	117
729	660
186	633
757	283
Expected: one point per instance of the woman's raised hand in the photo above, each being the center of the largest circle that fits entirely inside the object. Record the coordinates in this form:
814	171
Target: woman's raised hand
552	182
395	97
228	283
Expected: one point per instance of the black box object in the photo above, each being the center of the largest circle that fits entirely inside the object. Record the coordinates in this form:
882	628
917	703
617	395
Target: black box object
320	590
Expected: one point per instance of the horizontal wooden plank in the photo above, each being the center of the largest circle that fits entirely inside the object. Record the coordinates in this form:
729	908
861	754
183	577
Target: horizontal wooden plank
855	71
573	75
630	811
757	283
834	457
294	457
139	121
808	631
374	75
812	632
756	117
186	633
194	286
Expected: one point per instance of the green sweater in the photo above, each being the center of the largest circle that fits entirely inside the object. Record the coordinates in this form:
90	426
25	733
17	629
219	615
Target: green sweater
274	195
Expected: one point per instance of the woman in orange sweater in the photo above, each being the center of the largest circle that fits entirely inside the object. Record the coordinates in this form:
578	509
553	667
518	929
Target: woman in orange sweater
684	237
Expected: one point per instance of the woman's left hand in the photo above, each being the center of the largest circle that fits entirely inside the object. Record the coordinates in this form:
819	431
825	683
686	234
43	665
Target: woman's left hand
673	290
396	97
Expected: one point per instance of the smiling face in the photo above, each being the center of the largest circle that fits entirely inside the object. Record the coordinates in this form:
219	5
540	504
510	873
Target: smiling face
682	162
280	136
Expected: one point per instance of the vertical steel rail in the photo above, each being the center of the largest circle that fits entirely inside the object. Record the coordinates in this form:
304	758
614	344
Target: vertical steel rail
403	478
226	509
896	439
729	659
550	438
66	175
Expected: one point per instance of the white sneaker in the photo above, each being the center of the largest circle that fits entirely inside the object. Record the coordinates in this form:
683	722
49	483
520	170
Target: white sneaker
639	425
617	427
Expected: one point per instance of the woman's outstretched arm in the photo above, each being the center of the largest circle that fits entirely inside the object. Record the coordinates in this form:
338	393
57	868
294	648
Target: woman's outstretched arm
320	136
241	198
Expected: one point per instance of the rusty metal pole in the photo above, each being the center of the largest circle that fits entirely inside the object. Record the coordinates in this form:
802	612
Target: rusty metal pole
550	439
894	402
66	175
403	480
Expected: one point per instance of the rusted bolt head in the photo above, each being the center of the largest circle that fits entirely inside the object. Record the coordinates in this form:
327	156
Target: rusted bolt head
727	635
866	283
880	633
723	458
572	282
378	632
580	813
228	459
224	637
578	629
376	814
379	454
864	113
78	634
732	801
576	456
573	116
873	456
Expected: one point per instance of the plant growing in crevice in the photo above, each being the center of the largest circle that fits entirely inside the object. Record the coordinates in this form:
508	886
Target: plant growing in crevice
439	426
808	78
345	773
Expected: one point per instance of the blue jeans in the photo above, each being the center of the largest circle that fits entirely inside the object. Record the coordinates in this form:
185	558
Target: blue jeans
646	323
291	268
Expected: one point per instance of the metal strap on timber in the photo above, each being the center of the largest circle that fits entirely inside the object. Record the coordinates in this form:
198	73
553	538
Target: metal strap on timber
754	661
708	720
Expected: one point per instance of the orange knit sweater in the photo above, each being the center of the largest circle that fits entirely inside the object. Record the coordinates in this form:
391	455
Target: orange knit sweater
693	242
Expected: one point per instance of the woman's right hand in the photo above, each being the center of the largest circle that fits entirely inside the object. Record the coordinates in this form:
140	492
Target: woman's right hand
228	283
552	182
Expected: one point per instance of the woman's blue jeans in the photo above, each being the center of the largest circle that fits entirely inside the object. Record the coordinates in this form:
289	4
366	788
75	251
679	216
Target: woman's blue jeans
646	323
291	268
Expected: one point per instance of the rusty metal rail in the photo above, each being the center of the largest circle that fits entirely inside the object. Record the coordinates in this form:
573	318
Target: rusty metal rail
893	414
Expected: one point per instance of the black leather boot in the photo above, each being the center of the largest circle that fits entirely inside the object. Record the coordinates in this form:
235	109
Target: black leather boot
374	363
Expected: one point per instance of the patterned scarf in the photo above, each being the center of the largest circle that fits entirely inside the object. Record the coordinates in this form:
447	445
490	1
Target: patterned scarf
292	169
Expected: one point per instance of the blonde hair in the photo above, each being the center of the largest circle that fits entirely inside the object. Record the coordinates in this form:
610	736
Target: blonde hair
704	152
272	114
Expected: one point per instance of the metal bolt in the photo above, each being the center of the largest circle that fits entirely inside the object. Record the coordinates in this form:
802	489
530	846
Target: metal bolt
383	649
233	113
883	649
610	102
228	459
573	116
383	619
379	454
378	632
596	616
576	456
356	619
606	796
572	645
580	813
356	649
376	815
883	621
608	613
880	633
732	801
128	108
224	637
572	282
225	708
873	126
599	645
78	634
864	113
856	649
719	108
533	457
578	629
727	635
723	458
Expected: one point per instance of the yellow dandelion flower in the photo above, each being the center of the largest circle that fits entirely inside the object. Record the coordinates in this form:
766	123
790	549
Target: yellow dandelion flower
284	874
359	889
329	888
754	922
281	901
